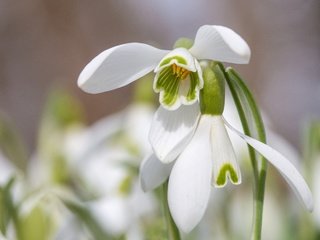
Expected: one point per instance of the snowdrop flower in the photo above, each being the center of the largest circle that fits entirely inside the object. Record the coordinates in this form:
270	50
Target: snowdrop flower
208	159
121	203
103	166
178	75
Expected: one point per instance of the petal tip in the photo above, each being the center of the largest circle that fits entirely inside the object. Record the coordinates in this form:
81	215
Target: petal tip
222	44
310	205
143	186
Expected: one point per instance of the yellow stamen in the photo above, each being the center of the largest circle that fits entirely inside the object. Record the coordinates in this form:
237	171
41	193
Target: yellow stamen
174	67
184	74
179	71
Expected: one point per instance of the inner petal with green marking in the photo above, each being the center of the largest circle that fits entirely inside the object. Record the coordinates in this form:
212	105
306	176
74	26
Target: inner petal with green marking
225	166
227	172
178	79
176	85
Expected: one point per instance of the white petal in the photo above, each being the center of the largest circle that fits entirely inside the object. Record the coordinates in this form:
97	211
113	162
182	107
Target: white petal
284	166
225	164
190	180
112	213
138	123
79	146
119	66
181	53
220	43
171	131
153	172
280	144
7	170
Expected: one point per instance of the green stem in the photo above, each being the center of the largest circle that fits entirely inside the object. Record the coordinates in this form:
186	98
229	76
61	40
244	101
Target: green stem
259	170
173	232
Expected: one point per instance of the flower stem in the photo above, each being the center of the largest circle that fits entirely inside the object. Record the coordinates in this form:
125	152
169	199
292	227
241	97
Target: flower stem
243	99
173	232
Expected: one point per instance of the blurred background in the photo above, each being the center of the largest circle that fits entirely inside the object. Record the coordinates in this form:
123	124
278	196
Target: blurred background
47	43
72	167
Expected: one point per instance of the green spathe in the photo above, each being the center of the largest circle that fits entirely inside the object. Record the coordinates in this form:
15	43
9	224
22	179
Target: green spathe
225	170
213	93
183	43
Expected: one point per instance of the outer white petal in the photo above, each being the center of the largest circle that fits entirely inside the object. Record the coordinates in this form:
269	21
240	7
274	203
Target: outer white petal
284	166
220	43
280	144
171	131
190	180
119	66
153	172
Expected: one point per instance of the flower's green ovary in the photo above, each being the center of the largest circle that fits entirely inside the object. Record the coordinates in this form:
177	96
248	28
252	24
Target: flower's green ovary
212	95
179	59
222	178
183	43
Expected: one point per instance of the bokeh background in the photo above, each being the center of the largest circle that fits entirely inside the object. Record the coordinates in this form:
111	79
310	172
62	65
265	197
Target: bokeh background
46	43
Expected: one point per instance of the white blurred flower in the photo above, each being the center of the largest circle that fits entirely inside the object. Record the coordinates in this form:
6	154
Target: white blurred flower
43	212
7	170
108	168
120	214
316	191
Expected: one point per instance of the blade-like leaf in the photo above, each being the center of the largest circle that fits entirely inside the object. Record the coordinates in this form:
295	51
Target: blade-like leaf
252	126
11	144
82	213
8	211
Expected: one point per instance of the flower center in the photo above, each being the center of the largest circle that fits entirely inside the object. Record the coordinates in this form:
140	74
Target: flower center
180	72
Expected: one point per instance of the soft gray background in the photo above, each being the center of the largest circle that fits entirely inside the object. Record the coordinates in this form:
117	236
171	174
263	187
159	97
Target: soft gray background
45	43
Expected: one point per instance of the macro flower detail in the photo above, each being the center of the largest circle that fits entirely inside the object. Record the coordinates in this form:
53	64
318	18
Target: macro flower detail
178	76
188	134
178	79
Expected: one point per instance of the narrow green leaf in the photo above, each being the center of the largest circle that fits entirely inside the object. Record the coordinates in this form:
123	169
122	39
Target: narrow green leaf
8	211
252	126
11	144
88	220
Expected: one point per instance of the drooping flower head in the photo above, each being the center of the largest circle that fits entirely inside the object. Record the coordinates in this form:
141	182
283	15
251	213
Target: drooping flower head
178	75
203	156
190	142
